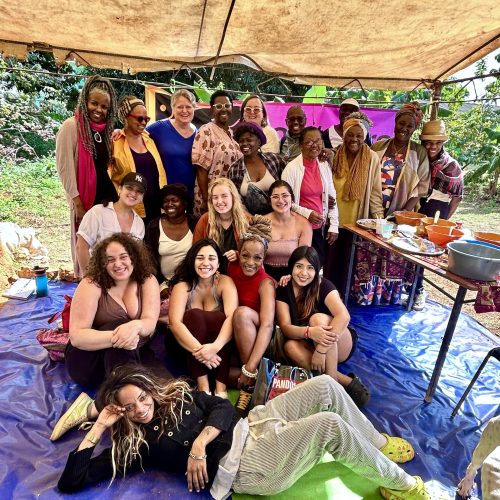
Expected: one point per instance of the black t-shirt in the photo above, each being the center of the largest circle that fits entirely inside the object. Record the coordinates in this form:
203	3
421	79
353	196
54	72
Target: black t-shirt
285	294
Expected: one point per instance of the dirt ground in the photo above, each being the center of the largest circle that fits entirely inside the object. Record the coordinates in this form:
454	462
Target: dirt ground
54	234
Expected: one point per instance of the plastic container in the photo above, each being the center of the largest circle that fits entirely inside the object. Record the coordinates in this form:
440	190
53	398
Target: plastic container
429	221
408	217
493	238
474	260
41	281
441	235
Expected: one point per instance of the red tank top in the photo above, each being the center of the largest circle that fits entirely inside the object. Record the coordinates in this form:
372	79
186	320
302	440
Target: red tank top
247	287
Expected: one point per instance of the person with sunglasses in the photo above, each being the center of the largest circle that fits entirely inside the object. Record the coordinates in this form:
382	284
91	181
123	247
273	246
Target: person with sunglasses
135	151
253	111
214	149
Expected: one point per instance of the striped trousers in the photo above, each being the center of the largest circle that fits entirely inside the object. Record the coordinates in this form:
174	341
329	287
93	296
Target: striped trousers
291	433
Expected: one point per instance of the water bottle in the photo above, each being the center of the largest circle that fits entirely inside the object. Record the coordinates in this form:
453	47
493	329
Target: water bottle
41	281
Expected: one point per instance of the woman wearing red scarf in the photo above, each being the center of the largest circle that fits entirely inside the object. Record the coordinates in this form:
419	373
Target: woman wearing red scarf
83	150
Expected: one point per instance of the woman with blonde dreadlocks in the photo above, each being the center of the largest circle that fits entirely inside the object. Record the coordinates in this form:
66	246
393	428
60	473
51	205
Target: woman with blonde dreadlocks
356	177
253	320
225	221
83	151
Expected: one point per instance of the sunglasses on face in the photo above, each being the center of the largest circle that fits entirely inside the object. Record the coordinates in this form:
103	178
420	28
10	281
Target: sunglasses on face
218	106
250	109
141	119
317	142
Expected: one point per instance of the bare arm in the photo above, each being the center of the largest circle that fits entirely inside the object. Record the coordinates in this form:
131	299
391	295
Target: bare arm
267	294
177	308
285	322
202	178
455	201
83	311
339	313
229	296
305	237
83	253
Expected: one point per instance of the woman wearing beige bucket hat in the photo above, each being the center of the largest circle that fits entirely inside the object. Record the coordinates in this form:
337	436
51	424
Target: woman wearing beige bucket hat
446	187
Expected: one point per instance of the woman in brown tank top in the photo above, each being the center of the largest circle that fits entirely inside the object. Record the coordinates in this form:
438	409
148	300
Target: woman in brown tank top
113	313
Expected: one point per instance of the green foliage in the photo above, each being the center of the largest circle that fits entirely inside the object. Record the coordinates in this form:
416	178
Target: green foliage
29	191
316	94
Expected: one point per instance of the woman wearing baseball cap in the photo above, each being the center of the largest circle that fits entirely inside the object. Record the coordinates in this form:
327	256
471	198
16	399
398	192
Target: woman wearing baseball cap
108	218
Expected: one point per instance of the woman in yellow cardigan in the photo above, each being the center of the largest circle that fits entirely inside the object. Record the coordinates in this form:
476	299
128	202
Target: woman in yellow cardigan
135	151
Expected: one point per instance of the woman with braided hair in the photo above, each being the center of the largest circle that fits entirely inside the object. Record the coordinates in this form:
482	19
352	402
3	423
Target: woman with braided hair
356	177
253	320
83	150
135	151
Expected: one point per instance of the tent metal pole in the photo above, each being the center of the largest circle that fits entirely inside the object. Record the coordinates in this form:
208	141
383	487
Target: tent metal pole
435	98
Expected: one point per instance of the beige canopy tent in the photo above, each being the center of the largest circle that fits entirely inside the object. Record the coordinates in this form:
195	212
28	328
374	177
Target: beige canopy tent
391	44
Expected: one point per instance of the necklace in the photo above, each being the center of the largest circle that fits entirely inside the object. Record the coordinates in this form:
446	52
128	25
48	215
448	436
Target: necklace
398	150
97	137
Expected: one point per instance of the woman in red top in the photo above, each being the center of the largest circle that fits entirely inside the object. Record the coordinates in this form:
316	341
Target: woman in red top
253	320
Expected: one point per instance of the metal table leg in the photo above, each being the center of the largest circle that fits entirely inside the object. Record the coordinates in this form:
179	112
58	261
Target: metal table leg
349	270
445	344
411	295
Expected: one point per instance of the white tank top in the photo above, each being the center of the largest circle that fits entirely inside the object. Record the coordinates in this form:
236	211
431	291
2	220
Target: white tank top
172	252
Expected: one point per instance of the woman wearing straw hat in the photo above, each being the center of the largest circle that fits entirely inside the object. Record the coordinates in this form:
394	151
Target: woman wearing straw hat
447	182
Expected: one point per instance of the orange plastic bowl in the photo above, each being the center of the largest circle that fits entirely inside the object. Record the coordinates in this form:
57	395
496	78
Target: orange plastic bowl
493	238
429	221
407	217
440	235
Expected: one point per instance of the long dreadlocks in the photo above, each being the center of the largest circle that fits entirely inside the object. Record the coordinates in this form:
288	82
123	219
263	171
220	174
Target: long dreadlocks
99	84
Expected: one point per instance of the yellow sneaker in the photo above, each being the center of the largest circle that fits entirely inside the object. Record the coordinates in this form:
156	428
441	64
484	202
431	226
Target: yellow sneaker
417	492
75	415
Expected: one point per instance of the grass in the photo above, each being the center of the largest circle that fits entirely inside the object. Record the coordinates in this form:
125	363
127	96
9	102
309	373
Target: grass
31	195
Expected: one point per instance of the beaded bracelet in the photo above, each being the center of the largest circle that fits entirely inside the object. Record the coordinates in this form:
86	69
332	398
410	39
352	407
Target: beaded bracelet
319	352
247	373
92	439
306	333
197	457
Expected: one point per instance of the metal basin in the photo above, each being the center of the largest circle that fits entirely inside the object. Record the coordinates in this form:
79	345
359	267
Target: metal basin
474	260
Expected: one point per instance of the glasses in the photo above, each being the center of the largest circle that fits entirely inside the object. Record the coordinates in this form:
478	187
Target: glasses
218	106
141	119
317	142
299	119
250	109
284	197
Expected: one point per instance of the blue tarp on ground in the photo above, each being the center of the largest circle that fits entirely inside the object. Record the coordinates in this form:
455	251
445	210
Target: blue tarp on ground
395	357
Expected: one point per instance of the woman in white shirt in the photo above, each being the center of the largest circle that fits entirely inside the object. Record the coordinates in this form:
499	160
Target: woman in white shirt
105	219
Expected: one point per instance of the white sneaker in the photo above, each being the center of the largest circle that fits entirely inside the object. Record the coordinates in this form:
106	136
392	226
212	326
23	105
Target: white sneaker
419	302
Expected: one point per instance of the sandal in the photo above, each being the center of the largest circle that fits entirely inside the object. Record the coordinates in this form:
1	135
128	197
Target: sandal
397	449
358	391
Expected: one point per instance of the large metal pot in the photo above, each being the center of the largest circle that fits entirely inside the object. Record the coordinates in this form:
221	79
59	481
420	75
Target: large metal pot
474	260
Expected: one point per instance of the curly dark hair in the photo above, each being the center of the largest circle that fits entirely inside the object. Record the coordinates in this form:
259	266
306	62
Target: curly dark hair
137	251
185	272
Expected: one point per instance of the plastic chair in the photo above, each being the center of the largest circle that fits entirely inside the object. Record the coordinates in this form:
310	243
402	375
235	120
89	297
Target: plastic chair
494	353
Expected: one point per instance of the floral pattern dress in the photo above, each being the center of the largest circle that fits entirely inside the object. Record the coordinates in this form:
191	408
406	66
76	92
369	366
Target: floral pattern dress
214	150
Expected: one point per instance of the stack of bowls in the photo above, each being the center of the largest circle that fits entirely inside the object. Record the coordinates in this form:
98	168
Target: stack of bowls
441	235
429	221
